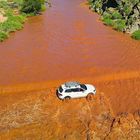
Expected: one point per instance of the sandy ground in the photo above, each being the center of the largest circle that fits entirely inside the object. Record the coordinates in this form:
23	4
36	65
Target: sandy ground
39	115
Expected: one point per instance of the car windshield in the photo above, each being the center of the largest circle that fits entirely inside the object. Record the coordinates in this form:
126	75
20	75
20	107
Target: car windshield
60	89
83	86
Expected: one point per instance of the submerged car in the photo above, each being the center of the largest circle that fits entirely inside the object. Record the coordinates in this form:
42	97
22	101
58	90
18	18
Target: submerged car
75	90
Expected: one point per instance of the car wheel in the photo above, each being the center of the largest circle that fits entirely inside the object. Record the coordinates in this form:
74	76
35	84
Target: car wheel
90	97
67	98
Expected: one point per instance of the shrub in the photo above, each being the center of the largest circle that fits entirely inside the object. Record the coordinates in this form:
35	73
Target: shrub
127	9
3	35
19	18
136	35
107	15
31	6
43	1
19	2
43	7
108	21
3	4
11	26
116	15
119	25
13	23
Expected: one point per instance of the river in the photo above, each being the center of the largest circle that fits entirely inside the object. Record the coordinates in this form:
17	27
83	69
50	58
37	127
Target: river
69	42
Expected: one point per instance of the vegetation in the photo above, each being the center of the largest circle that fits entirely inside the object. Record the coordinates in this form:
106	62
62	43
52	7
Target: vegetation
108	21
16	12
119	25
3	35
122	15
31	6
136	35
116	15
115	20
14	21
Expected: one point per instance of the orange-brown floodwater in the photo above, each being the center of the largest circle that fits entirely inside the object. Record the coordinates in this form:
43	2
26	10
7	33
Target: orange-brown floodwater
69	42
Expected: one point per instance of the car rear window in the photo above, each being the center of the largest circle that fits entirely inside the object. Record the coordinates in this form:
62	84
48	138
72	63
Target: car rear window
83	86
75	89
60	89
68	90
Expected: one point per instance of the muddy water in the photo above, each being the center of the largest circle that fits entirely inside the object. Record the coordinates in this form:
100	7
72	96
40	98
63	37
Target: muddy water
68	42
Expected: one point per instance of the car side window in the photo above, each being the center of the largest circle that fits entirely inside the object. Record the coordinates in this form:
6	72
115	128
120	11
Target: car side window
81	89
68	90
76	90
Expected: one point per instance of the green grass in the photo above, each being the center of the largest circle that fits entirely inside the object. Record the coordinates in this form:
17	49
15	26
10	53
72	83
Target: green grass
12	24
121	17
136	35
43	7
4	5
108	21
116	15
3	36
115	20
119	25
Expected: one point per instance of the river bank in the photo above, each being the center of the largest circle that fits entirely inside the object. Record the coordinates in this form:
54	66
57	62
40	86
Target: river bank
13	19
13	16
122	16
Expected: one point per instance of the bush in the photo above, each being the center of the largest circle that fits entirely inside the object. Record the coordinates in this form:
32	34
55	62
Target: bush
31	6
3	36
3	4
19	2
13	23
136	35
119	25
107	15
11	26
120	16
108	21
116	15
127	9
43	7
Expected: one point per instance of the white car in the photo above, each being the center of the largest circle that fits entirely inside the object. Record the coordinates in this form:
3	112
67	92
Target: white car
75	90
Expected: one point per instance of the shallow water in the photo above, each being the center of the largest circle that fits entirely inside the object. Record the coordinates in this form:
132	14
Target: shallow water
69	42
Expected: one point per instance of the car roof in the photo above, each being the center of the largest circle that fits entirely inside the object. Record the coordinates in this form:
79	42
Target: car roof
70	85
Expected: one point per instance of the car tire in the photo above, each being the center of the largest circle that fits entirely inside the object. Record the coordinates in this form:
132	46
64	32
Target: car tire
90	97
67	98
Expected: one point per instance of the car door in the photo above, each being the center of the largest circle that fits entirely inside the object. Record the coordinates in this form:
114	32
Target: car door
73	93
81	93
77	92
68	92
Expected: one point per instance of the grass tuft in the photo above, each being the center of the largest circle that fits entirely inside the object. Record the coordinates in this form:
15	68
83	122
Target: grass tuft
136	35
